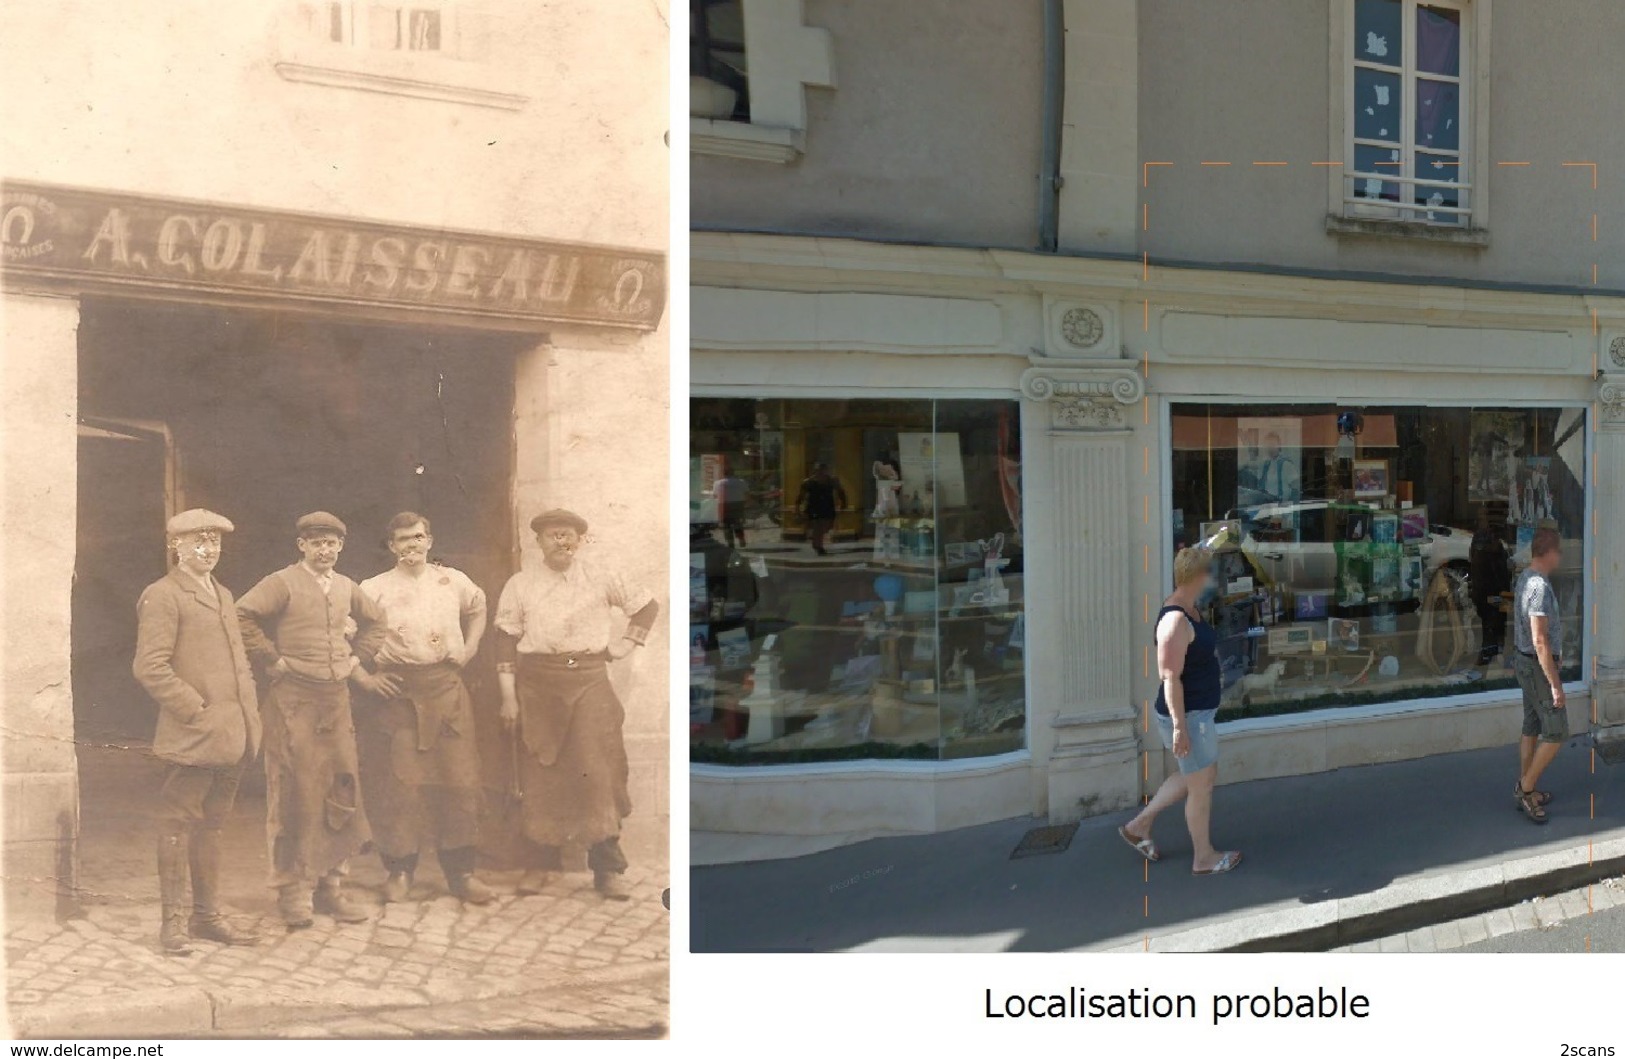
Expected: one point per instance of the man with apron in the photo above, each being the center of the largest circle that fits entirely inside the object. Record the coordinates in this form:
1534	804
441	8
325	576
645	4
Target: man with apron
554	646
298	624
420	766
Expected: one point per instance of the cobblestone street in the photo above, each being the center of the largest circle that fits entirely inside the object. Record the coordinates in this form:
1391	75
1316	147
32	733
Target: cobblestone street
563	963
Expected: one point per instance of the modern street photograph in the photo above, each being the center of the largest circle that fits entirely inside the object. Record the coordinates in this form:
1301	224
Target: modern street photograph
1156	476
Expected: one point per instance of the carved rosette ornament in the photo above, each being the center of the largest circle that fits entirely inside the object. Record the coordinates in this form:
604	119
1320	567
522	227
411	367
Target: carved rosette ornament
1616	351
1611	403
1085	399
1082	328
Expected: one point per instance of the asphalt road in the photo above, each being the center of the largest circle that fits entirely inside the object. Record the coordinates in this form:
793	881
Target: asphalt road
1605	931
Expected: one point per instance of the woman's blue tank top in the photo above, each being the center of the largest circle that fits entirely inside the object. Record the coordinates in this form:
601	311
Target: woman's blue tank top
1200	677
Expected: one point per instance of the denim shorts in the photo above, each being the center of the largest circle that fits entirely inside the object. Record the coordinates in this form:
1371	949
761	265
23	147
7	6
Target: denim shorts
1204	736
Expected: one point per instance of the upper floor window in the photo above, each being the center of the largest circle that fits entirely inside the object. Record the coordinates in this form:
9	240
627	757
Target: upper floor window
386	26
1408	150
719	82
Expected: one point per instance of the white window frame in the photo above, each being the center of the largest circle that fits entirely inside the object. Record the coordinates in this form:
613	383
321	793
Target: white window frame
1350	215
307	54
784	56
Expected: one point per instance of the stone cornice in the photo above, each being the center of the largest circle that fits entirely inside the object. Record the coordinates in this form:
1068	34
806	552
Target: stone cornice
1085	397
778	261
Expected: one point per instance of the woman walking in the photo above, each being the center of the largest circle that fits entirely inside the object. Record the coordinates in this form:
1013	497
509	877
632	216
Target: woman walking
1187	700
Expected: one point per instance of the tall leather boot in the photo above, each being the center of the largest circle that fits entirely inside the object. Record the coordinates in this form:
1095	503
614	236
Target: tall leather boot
172	936
208	922
331	900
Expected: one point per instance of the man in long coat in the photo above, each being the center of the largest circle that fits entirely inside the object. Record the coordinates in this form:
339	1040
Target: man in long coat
189	656
555	640
298	624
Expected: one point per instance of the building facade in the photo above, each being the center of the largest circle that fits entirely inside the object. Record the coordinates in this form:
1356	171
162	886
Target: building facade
1049	305
347	256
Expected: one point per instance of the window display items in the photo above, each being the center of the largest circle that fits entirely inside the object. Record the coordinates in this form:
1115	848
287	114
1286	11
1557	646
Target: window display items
1343	634
1268	461
1357	525
1413	524
1530	501
1497	439
733	648
1385	528
933	469
1311	606
1371	479
1222	533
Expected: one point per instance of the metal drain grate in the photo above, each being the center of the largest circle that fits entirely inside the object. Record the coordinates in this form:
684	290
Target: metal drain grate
1612	751
1041	840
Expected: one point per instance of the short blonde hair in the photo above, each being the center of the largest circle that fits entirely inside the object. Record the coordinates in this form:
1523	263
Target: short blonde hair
1190	564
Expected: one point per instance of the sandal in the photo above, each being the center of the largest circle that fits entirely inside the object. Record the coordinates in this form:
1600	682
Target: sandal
1144	846
1530	803
1227	862
1542	798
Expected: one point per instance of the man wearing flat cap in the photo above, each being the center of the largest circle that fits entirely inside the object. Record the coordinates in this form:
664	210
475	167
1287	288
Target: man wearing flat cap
555	640
189	656
420	766
309	629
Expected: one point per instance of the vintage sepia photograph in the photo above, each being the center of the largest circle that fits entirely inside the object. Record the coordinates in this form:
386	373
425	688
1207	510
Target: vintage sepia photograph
335	382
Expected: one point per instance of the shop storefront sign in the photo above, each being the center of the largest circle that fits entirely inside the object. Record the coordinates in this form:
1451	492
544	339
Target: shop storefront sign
92	240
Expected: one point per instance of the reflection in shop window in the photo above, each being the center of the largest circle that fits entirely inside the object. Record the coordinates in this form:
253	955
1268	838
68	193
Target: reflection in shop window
856	579
1368	555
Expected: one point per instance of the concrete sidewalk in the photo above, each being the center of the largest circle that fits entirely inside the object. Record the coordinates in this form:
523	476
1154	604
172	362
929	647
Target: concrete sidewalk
1331	859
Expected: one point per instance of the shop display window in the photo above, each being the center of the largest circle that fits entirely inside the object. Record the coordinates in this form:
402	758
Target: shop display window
1367	555
855	579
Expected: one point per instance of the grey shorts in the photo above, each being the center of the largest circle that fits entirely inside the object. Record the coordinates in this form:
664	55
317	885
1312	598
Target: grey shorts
1204	734
1540	717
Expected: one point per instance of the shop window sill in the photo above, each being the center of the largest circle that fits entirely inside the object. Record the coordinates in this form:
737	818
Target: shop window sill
416	75
738	139
1417	231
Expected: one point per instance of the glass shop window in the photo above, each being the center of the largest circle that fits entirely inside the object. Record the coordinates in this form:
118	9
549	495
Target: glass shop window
1368	555
855	580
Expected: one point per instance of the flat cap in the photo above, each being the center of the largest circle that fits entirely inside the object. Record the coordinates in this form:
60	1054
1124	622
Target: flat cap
557	515
317	521
196	521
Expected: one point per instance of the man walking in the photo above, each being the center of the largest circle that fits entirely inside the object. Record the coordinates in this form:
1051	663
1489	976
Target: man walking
1537	631
554	644
820	500
189	656
420	766
297	624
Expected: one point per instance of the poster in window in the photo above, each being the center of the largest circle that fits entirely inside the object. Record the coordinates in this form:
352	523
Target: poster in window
1371	479
1494	443
1269	461
933	473
1530	500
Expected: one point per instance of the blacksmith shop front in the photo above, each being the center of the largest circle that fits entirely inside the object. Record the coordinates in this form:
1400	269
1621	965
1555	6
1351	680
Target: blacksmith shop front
164	354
